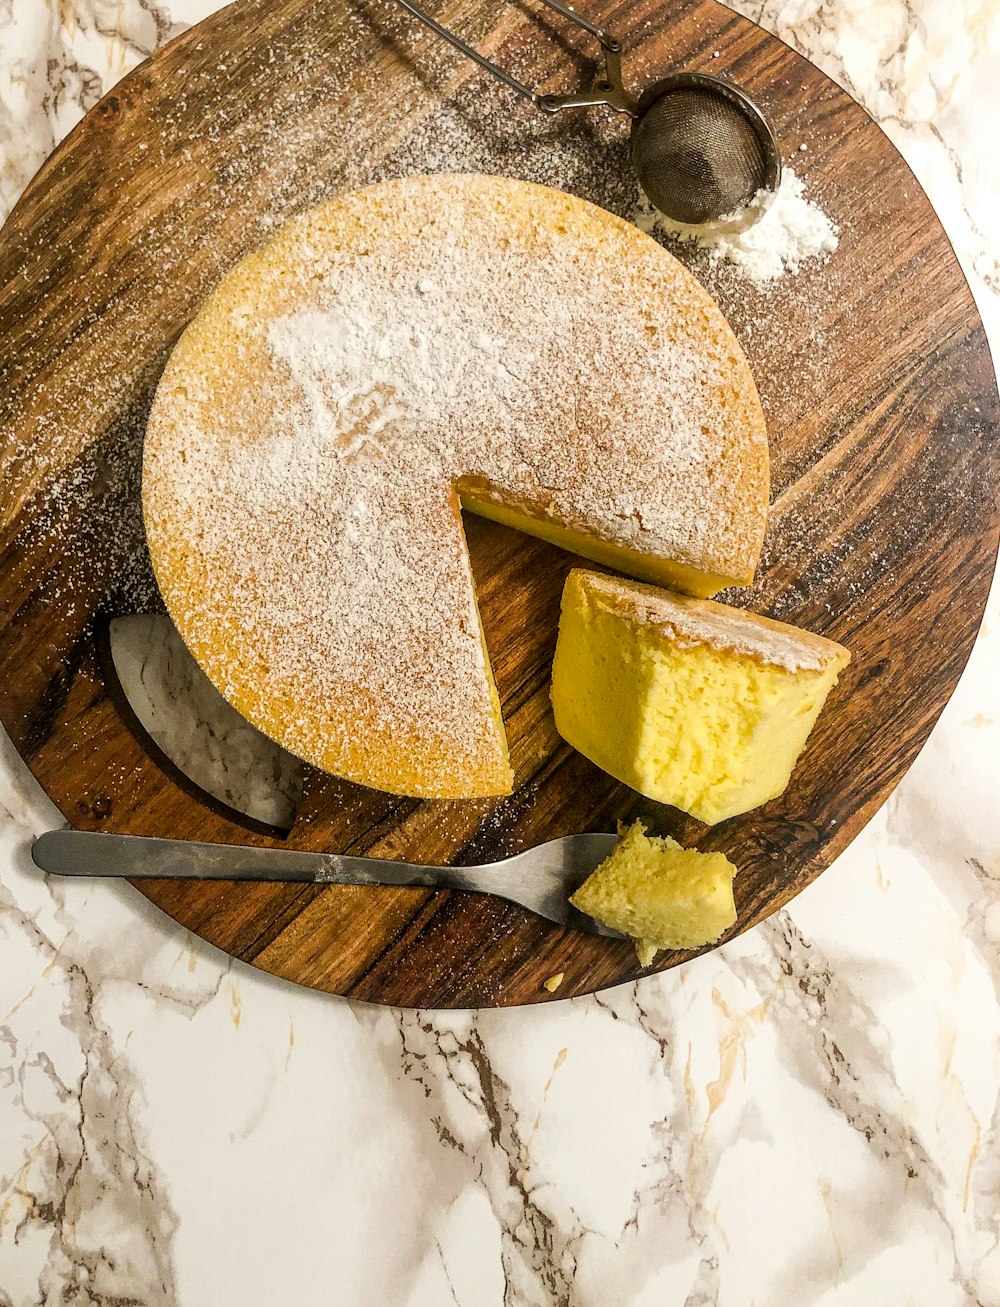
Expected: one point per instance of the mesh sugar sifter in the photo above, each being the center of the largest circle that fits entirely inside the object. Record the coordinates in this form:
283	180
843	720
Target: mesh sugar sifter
701	148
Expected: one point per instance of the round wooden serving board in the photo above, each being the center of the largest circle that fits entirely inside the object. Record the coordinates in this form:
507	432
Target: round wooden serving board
874	371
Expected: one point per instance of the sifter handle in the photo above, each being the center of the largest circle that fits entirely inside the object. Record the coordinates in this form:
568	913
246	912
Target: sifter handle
606	91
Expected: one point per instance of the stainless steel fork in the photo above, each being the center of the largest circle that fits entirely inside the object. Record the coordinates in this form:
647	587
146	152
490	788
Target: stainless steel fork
540	879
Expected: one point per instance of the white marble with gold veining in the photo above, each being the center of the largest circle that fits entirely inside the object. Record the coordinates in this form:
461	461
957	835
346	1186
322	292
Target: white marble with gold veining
807	1116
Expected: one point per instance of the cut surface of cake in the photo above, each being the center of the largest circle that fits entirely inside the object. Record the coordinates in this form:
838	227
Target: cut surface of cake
388	358
661	894
690	702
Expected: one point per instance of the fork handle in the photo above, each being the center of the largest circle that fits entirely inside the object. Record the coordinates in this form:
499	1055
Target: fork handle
140	857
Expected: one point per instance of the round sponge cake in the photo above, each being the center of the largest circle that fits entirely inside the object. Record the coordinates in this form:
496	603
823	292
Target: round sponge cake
387	358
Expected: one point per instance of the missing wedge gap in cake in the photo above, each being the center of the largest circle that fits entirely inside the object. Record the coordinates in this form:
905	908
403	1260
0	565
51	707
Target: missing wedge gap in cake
476	496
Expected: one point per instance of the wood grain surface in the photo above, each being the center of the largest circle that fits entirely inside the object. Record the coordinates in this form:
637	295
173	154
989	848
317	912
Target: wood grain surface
874	371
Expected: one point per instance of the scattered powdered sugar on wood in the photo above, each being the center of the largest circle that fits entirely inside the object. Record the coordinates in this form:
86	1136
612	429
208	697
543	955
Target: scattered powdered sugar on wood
790	231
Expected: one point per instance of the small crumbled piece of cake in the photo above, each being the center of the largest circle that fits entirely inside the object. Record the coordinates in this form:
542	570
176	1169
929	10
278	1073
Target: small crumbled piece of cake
553	982
690	702
661	894
645	952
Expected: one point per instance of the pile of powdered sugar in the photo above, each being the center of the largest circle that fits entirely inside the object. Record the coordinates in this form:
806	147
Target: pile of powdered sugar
791	231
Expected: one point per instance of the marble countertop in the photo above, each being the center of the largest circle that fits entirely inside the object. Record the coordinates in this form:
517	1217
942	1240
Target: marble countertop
810	1115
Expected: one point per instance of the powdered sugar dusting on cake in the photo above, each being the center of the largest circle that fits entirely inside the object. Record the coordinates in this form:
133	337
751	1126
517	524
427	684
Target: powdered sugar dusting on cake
309	436
689	622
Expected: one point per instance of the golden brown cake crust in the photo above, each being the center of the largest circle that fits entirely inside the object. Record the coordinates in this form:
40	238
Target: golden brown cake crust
398	345
685	622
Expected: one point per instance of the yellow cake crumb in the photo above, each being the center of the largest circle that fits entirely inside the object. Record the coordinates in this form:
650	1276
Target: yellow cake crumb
690	702
553	982
661	894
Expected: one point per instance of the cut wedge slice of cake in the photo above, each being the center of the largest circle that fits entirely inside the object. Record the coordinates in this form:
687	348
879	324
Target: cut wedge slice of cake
690	702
